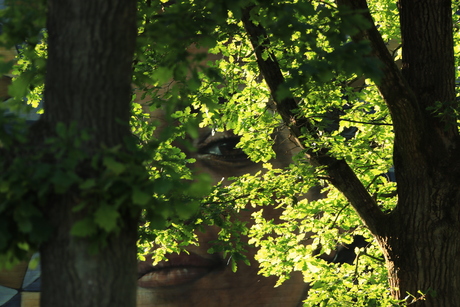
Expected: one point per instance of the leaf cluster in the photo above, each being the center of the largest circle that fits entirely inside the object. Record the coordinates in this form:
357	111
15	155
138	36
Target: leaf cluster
321	64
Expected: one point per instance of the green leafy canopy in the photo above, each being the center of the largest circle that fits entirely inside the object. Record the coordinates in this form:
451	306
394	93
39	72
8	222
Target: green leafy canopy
331	76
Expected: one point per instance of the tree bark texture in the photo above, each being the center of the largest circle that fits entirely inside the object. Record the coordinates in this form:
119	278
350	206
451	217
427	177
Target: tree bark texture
422	244
89	70
90	51
73	274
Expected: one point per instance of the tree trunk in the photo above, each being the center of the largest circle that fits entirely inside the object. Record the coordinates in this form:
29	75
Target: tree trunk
421	246
420	242
90	51
73	274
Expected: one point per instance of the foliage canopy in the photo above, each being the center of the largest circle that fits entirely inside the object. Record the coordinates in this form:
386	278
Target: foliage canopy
330	75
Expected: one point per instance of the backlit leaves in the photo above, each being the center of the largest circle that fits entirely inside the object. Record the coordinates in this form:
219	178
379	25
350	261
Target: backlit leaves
324	70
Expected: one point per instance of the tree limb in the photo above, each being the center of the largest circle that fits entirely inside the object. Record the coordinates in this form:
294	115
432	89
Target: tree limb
408	116
339	172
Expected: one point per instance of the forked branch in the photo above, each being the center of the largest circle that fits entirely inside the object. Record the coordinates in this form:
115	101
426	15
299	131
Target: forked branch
339	172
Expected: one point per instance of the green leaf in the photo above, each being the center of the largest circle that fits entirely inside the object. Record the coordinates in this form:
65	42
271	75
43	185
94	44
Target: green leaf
33	263
162	74
157	222
200	187
83	228
4	186
234	265
24	246
61	130
113	165
20	85
24	225
187	209
42	171
5	67
62	181
88	184
106	217
162	186
140	198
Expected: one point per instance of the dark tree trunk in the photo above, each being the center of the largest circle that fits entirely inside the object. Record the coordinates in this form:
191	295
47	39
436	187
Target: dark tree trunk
74	275
421	246
422	241
90	50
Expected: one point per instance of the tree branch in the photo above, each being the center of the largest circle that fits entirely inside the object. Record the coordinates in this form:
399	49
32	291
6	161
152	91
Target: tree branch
339	172
420	96
409	116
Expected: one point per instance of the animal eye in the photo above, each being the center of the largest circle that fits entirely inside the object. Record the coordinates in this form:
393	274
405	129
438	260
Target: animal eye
224	149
